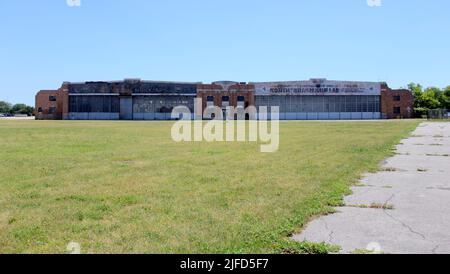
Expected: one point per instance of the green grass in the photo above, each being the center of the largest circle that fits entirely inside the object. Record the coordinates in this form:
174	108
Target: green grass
126	187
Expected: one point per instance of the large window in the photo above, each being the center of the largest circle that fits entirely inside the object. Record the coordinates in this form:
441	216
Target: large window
100	104
161	104
296	104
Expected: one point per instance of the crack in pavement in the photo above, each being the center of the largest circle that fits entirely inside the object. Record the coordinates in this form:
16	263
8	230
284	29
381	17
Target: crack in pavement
434	250
330	235
389	200
403	223
399	221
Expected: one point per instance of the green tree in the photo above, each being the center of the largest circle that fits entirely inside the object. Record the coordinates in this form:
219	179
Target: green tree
5	107
22	109
420	106
446	96
417	91
432	98
17	108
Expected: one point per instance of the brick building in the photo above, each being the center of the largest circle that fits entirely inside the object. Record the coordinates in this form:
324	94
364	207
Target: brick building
134	99
396	104
225	94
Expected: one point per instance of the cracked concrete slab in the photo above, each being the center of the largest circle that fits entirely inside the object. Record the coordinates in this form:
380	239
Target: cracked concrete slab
416	182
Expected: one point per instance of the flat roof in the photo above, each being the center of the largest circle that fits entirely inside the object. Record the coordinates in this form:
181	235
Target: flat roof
134	80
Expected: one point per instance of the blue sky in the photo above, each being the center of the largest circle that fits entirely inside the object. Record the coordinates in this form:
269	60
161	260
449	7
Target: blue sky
46	42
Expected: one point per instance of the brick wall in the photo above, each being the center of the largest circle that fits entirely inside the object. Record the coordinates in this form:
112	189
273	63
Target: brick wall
396	104
230	89
64	95
52	104
48	105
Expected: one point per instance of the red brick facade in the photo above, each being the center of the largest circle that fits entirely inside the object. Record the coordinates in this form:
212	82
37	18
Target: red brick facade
231	90
64	91
396	104
53	104
48	105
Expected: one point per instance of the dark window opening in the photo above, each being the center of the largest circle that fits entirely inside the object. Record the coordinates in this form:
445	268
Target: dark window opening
210	99
52	98
105	104
397	110
225	99
52	110
397	98
241	99
39	109
165	109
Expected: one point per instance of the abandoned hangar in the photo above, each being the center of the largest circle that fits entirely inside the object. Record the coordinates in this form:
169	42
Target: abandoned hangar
135	99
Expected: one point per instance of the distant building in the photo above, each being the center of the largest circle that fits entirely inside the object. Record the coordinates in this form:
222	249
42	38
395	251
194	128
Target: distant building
134	99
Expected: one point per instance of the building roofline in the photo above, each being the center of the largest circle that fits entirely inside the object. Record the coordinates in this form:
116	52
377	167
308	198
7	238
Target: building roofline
131	80
312	79
48	91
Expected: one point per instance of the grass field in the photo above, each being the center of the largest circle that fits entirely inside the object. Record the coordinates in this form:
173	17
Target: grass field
126	187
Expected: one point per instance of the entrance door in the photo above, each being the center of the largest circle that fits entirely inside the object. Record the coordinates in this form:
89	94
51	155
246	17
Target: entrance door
126	108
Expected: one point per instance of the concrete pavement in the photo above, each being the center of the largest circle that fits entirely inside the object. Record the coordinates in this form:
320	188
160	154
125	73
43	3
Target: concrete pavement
405	208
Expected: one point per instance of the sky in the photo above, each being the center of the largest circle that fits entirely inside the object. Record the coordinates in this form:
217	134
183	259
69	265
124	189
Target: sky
46	42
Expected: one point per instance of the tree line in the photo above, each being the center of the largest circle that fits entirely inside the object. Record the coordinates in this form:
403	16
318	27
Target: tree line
8	108
429	98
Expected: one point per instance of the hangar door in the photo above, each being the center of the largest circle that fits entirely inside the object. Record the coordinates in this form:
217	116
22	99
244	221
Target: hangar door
126	108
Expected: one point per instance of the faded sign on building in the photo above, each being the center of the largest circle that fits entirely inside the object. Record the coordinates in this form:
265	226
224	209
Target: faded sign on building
318	87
